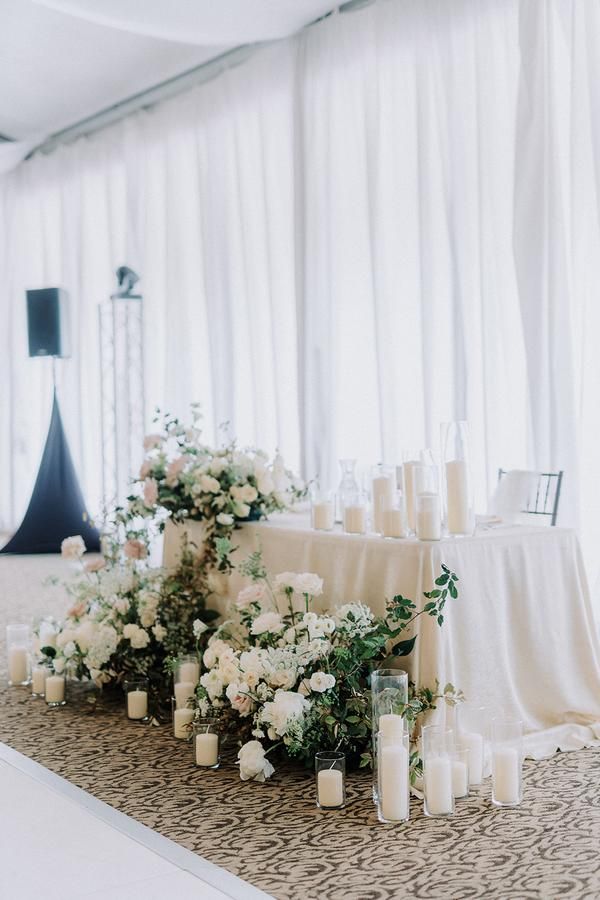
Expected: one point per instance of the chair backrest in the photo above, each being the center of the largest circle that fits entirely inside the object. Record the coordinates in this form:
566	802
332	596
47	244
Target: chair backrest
543	501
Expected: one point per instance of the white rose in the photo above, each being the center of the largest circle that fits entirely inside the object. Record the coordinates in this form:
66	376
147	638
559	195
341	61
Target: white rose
69	650
253	762
72	547
159	632
244	493
122	605
237	694
137	636
59	665
85	635
265	483
282	678
209	484
309	583
284	580
267	622
254	593
321	681
242	510
225	519
212	683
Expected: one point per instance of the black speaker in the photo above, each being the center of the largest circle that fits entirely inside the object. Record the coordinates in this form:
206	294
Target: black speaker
48	322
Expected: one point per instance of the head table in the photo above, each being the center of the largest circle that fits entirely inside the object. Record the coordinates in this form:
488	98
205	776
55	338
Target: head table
520	638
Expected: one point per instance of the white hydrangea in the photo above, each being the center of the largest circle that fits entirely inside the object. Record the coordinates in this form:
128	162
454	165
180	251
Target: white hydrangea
285	707
355	619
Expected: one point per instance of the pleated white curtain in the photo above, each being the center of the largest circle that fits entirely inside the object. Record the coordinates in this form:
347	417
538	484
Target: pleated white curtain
389	221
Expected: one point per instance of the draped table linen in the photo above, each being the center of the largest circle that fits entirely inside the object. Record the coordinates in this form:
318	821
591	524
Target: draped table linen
520	638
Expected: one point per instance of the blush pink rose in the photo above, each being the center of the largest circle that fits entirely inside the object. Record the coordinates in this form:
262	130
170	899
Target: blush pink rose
145	468
151	441
150	492
134	549
94	565
77	610
174	469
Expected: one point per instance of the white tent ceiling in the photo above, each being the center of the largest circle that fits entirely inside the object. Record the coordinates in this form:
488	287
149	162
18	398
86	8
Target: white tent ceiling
62	61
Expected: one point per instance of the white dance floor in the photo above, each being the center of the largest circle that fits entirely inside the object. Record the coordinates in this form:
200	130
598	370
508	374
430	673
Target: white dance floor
60	843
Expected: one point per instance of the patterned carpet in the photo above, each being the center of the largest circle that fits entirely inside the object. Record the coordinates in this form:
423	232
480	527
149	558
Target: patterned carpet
272	834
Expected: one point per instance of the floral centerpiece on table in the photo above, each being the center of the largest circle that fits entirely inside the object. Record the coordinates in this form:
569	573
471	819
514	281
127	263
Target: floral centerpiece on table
126	618
286	678
182	478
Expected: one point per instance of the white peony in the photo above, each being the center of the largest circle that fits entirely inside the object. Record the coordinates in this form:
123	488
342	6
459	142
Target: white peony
254	593
69	650
85	634
270	622
285	707
321	681
253	762
72	547
212	683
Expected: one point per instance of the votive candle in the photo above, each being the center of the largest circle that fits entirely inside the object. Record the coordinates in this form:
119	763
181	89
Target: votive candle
207	749
54	690
137	704
182	719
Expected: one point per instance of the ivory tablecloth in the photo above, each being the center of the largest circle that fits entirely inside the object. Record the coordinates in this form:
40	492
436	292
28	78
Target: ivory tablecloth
521	636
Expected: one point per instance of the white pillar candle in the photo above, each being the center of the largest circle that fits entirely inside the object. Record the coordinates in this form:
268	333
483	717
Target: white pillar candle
457	497
382	495
393	782
182	718
460	778
137	704
55	689
207	749
183	691
506	771
47	635
438	785
391	726
323	515
394	523
189	671
18	664
429	517
38	679
355	519
473	742
330	787
414	479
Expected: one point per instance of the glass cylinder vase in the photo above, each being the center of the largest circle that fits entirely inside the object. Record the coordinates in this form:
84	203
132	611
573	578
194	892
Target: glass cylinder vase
355	515
187	669
55	690
383	489
205	743
472	728
507	762
322	510
137	692
393	787
348	485
394	522
18	642
330	772
437	749
457	488
413	479
39	673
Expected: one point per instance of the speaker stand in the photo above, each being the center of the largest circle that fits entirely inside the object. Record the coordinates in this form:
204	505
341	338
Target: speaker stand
56	509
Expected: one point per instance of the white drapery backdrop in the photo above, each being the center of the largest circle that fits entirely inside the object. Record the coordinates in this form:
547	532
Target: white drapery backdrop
388	221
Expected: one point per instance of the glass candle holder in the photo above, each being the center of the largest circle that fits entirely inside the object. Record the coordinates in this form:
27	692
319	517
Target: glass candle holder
184	691
355	513
383	489
330	771
429	517
137	692
472	724
205	743
457	491
389	696
394	522
182	721
348	485
438	746
413	479
393	788
39	673
55	690
322	510
18	639
187	669
507	762
460	772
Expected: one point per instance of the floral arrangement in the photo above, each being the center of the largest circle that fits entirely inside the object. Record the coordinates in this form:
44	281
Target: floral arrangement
183	478
126	618
283	677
